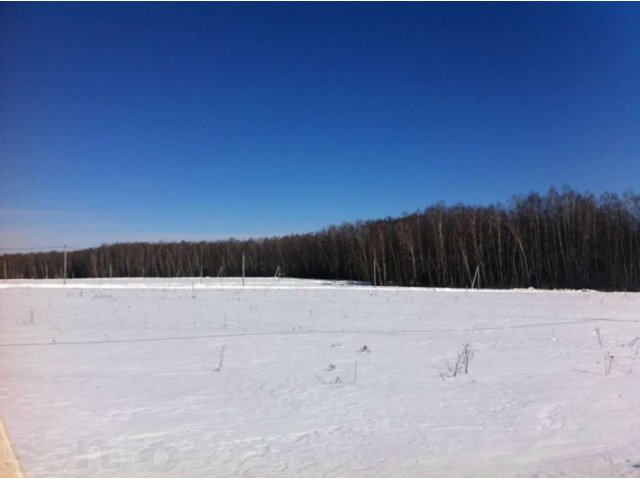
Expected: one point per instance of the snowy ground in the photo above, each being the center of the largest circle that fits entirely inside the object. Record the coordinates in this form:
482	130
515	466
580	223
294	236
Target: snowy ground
126	378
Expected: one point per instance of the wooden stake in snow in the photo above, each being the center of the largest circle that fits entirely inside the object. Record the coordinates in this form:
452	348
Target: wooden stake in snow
65	266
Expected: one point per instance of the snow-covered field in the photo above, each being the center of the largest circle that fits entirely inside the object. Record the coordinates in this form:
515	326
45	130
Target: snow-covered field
180	378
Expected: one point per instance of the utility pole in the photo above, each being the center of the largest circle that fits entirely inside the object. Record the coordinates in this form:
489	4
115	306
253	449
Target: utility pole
5	271
243	269
110	272
65	265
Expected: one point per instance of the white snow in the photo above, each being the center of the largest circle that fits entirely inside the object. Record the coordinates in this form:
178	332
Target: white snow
126	378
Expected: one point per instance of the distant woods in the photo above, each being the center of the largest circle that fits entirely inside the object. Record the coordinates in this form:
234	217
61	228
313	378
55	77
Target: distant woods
558	240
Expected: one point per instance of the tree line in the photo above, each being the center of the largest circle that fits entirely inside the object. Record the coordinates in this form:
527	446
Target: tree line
559	240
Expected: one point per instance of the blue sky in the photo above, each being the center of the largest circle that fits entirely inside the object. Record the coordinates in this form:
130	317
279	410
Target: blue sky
169	121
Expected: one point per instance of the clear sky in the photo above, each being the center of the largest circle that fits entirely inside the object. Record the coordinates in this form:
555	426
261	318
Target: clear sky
170	121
